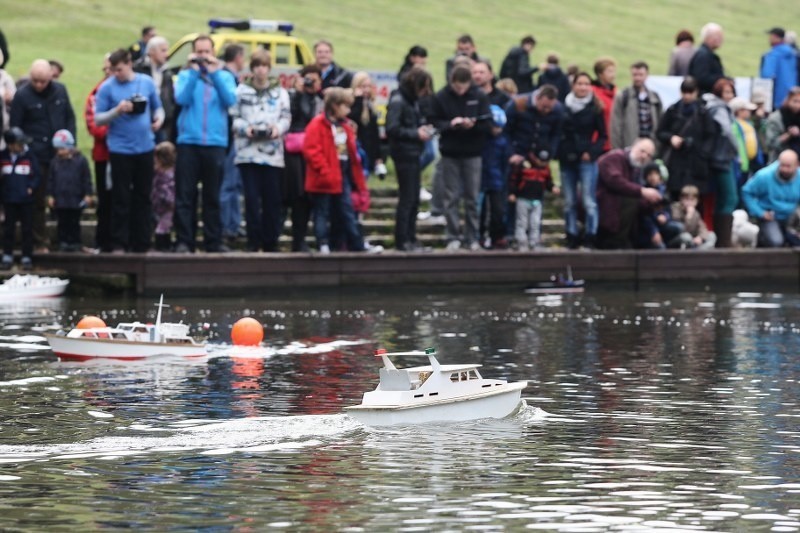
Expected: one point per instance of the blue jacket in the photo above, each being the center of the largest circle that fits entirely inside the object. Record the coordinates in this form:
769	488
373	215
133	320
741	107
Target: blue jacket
765	191
780	66
18	176
494	163
204	102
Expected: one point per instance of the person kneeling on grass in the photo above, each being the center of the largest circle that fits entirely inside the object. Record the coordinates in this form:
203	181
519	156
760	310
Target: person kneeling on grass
333	170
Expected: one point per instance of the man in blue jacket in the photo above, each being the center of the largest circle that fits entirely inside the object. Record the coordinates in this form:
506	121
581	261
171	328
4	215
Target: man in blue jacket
205	91
771	196
779	65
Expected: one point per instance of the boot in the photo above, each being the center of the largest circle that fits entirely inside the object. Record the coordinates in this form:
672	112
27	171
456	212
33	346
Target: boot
163	242
723	225
572	241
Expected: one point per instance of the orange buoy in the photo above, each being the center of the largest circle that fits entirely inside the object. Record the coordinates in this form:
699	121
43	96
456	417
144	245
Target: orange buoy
247	332
90	321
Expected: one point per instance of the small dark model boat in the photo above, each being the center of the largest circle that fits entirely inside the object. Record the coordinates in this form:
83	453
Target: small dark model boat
557	284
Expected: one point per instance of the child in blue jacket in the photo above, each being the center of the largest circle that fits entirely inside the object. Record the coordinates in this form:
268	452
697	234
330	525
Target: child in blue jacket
19	177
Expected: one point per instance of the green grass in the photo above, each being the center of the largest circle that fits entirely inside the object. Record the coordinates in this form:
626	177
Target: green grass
377	33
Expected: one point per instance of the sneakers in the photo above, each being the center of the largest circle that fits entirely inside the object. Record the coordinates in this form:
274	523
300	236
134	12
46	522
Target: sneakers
324	249
221	249
424	195
373	248
474	246
182	248
423	215
27	264
453	246
7	262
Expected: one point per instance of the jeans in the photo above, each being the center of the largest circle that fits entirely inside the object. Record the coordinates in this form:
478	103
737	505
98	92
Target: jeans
337	210
529	222
262	204
131	218
229	192
493	212
461	178
408	182
198	164
585	174
773	234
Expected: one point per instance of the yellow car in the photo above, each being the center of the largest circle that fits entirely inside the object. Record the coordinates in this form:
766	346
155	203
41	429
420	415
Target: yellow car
288	53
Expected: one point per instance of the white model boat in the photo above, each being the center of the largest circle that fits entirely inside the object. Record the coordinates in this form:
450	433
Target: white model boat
129	341
28	286
434	393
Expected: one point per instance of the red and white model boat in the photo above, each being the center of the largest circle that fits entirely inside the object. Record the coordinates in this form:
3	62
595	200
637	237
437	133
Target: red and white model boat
129	341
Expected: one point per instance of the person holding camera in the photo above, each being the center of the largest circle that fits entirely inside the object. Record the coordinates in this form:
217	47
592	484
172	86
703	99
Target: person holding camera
130	104
205	91
261	117
305	103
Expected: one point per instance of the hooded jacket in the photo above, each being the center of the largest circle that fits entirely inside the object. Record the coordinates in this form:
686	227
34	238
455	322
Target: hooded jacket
780	66
204	102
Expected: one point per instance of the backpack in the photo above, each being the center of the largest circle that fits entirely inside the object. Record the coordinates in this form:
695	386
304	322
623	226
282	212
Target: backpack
509	67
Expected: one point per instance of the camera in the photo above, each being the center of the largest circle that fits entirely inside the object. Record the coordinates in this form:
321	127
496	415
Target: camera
139	104
261	132
308	82
199	60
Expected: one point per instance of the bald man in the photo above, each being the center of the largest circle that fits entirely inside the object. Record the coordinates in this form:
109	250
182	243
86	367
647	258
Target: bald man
772	196
41	108
706	66
620	195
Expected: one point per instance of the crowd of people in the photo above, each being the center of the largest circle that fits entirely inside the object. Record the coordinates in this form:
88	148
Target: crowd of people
170	148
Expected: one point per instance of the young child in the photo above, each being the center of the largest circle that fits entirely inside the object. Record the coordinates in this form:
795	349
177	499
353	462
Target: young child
685	211
657	229
333	170
69	189
162	195
20	176
527	185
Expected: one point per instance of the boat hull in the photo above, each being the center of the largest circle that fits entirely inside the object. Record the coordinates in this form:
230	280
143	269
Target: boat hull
72	349
500	403
29	293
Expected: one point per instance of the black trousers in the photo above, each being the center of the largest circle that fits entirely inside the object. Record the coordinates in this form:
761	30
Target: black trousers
69	226
22	213
408	183
195	165
131	217
102	236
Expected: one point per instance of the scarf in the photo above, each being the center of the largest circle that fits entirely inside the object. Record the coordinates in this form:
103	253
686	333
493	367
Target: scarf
576	104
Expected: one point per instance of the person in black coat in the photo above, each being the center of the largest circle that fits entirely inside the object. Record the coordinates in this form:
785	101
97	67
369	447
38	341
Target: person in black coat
686	132
706	66
21	177
517	66
583	137
553	75
333	75
40	108
407	135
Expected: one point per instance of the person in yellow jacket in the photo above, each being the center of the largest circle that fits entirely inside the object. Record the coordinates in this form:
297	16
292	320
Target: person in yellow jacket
750	154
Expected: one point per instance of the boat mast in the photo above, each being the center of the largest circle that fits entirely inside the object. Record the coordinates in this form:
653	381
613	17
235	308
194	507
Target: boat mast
160	305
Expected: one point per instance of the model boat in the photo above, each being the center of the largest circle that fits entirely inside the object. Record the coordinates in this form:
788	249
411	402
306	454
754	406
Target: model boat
128	341
557	284
434	393
29	286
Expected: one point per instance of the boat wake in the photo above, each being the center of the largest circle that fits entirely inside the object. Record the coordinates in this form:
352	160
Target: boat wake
203	437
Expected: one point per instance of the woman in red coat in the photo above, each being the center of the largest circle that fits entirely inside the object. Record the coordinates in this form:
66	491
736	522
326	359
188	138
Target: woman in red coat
333	171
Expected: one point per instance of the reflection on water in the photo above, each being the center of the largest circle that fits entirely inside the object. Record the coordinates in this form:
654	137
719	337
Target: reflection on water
658	411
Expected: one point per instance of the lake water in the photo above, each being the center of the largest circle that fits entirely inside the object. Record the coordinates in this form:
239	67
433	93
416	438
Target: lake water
645	412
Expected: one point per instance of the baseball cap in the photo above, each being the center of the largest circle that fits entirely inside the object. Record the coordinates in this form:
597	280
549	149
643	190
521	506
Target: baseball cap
498	115
63	139
16	135
779	32
738	103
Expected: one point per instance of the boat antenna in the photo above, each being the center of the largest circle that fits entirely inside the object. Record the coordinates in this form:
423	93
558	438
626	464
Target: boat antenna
160	305
569	272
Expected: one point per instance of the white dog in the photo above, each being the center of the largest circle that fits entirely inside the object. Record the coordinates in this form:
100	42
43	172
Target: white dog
744	233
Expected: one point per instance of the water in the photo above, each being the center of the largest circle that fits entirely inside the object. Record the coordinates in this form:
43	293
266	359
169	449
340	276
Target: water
645	412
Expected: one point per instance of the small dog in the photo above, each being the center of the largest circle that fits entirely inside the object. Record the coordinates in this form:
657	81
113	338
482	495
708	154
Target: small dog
744	233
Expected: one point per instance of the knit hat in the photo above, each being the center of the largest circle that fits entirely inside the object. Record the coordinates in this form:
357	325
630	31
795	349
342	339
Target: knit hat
498	116
63	139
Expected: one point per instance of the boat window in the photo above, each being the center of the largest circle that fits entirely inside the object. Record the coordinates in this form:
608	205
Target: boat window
423	376
118	335
89	334
473	375
454	376
141	329
102	335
